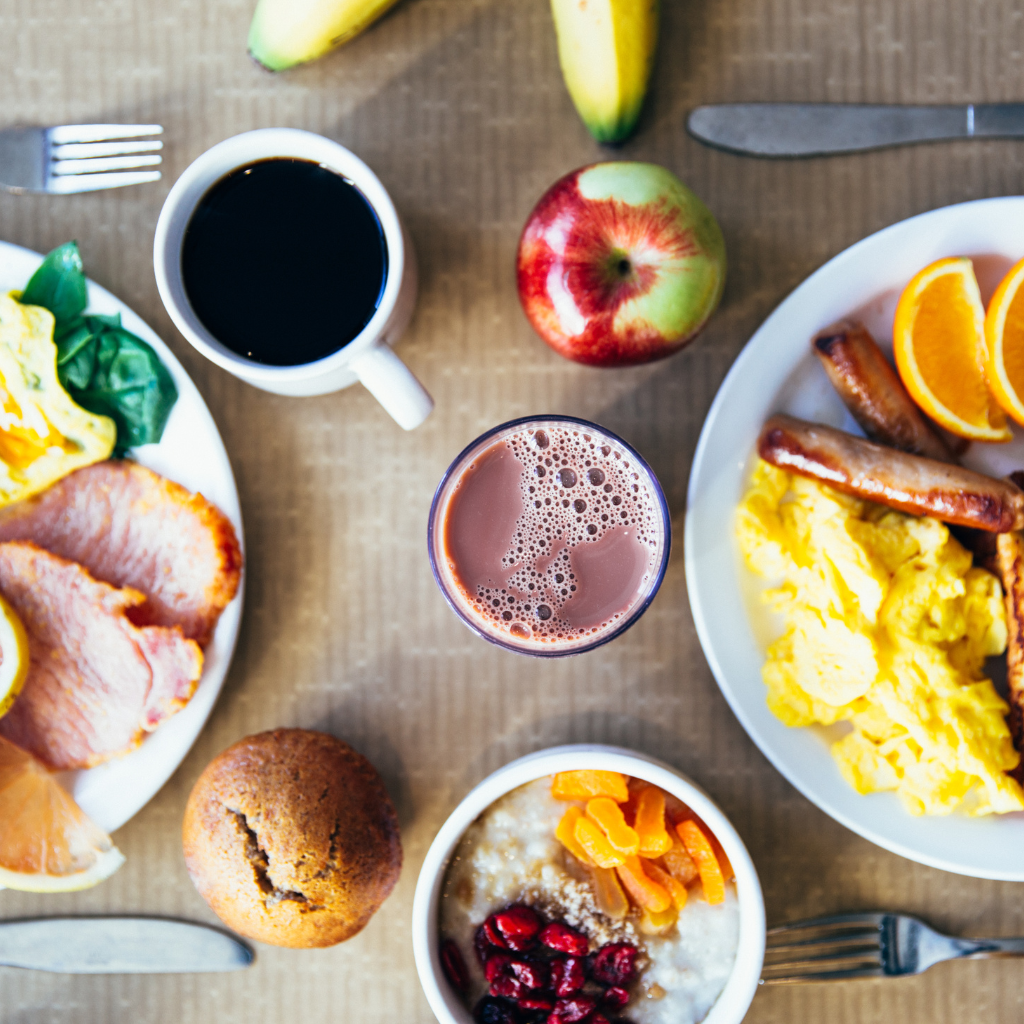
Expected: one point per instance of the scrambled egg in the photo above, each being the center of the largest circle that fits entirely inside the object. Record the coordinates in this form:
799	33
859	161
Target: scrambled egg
44	435
887	626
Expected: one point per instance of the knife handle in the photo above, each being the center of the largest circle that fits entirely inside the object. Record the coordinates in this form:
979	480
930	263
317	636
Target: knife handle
119	945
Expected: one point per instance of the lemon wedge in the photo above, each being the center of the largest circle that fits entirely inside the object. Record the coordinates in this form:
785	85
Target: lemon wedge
13	656
47	844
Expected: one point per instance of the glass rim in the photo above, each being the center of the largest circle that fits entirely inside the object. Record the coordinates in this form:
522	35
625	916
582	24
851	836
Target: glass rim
638	609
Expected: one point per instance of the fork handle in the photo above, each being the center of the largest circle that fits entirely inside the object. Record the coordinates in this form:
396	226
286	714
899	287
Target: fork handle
983	949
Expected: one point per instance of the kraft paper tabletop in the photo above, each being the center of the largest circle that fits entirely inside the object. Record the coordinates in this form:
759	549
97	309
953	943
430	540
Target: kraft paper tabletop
460	108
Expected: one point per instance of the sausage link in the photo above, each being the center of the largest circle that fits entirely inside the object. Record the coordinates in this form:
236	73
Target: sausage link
872	391
910	483
1010	560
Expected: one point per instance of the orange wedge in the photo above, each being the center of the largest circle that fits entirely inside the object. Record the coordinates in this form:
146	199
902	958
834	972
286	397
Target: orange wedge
47	844
939	344
1004	337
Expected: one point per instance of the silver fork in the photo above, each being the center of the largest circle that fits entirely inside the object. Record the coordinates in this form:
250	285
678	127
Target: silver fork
78	157
867	946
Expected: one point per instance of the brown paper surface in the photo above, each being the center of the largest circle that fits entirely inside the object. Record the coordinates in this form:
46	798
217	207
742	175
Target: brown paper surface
460	108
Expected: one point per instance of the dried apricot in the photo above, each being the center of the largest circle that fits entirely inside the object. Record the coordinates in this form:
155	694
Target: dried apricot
595	842
700	849
604	811
658	922
611	900
646	893
566	835
650	823
583	785
679	864
673	886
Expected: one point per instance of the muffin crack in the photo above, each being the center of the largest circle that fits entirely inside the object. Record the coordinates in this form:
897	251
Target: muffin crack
332	852
260	862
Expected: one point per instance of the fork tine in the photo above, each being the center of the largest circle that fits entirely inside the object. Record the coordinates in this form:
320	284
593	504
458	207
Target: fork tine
83	150
69	183
796	979
863	922
99	132
844	943
846	956
110	163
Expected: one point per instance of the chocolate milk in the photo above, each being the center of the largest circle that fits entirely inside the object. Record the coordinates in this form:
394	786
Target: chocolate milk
552	536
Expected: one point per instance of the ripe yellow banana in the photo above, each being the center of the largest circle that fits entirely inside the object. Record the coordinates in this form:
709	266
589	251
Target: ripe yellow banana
606	48
289	32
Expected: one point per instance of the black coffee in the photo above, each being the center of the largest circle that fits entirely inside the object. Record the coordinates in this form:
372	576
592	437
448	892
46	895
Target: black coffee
284	262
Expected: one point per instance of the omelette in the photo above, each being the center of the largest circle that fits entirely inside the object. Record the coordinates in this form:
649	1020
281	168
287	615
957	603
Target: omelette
44	434
886	627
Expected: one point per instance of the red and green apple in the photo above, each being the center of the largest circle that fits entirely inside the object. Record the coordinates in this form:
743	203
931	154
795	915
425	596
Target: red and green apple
619	264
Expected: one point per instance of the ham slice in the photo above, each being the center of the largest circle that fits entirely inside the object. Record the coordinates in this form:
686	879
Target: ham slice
132	528
96	682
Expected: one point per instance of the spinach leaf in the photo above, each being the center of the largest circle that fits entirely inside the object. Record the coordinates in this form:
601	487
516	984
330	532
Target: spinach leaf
59	284
110	371
105	369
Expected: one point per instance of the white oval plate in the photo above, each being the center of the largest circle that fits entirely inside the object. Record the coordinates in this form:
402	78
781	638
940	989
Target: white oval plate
776	372
192	453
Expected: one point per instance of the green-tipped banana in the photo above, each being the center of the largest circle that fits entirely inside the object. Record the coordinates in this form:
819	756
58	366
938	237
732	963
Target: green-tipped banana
606	48
289	32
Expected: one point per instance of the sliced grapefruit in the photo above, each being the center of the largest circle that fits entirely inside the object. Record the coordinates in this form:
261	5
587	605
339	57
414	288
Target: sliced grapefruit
1004	336
47	844
941	355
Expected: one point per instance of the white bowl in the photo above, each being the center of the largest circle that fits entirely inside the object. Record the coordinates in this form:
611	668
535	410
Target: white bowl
739	990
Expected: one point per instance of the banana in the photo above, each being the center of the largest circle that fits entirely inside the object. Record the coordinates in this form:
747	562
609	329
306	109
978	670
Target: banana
606	48
289	32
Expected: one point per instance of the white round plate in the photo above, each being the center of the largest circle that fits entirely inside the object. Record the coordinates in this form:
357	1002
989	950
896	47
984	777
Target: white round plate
777	372
191	453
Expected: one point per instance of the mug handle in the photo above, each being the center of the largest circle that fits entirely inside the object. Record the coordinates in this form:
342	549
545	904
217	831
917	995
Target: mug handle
392	383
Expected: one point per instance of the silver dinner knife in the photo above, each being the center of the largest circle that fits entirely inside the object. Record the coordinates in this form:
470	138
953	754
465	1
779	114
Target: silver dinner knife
812	129
119	945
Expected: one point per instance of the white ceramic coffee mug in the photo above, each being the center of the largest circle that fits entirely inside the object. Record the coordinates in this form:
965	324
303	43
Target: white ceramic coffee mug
368	358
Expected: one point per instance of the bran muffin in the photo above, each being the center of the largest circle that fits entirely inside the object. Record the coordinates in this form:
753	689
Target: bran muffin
292	839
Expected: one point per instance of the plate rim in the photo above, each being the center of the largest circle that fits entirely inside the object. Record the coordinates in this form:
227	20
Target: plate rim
758	339
229	625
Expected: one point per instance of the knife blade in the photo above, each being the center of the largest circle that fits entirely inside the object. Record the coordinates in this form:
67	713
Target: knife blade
119	945
815	129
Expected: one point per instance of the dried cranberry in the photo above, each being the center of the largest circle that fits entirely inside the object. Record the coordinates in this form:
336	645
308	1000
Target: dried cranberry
537	1001
454	966
532	973
614	964
497	965
494	1011
600	1018
569	1011
568	975
492	935
518	927
565	939
483	945
615	998
507	986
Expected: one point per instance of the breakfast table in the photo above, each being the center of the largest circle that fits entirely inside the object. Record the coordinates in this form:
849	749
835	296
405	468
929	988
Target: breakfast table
460	108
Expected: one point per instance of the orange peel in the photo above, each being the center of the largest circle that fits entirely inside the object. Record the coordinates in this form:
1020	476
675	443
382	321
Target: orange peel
1004	340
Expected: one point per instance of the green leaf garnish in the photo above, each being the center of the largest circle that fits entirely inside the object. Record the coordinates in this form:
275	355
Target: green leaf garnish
59	284
105	368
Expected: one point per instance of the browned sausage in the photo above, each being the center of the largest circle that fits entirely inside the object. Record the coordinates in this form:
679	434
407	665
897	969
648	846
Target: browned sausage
910	483
872	391
1010	560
